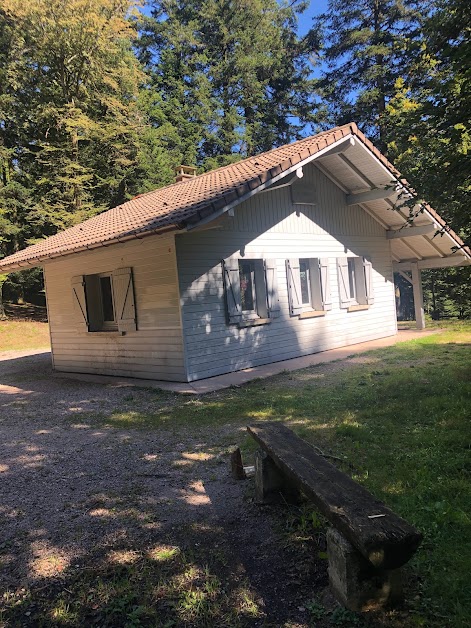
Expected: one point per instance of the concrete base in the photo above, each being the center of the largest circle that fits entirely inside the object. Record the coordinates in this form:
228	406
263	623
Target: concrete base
220	382
355	582
271	486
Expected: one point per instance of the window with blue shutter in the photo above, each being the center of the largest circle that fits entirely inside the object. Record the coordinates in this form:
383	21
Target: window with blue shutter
308	285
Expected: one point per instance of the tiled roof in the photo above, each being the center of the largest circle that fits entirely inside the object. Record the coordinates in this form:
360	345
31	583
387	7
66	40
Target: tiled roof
177	205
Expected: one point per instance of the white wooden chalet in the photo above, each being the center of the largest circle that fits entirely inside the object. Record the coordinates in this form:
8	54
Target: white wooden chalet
284	254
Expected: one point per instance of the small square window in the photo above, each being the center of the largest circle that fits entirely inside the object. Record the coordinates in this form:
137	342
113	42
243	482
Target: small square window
308	285
355	281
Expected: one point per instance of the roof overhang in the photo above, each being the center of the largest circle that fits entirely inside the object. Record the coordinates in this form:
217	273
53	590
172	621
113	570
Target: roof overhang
343	154
368	183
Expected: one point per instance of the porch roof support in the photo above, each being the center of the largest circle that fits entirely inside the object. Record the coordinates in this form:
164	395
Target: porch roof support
418	296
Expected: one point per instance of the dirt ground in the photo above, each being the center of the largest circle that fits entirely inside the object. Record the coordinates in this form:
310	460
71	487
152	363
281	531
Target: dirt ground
72	491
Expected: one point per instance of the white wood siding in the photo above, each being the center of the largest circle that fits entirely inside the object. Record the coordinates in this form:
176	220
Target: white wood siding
155	350
269	226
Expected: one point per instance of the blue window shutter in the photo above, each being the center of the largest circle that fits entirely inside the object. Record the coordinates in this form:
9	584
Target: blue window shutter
344	290
271	279
325	283
367	265
230	269
294	286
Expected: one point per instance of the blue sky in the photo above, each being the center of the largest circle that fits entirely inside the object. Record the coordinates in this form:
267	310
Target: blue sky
305	20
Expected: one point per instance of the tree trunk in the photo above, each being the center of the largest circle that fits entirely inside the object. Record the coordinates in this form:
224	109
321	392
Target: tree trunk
3	314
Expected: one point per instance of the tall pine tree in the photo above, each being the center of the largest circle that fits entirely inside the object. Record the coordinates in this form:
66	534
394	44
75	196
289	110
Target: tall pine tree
367	46
232	75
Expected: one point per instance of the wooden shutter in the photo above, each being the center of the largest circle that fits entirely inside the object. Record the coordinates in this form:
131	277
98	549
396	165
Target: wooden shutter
230	268
271	280
294	286
80	302
368	267
325	283
123	295
315	284
344	289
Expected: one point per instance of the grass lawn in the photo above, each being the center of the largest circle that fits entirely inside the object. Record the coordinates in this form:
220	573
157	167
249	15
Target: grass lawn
23	335
398	416
402	419
25	328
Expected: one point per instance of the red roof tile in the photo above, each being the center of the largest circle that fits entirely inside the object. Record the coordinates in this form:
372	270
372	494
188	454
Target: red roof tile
186	202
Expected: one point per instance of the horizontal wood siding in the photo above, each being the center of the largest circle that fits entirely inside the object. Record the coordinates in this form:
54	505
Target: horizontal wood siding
155	350
269	226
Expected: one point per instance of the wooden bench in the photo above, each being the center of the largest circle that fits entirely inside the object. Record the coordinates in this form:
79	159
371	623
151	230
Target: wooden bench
369	542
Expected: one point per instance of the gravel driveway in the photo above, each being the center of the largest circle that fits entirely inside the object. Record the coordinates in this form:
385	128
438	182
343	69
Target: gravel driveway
71	490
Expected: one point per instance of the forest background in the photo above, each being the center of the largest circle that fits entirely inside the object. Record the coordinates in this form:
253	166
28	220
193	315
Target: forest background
101	99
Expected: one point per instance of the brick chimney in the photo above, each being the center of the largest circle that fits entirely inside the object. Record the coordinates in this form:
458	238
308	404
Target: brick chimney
184	172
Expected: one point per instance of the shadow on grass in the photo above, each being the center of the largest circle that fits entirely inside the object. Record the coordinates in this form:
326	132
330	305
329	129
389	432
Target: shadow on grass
401	419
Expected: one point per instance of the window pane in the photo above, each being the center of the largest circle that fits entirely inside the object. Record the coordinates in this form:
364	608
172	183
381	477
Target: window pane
247	285
351	278
304	275
107	299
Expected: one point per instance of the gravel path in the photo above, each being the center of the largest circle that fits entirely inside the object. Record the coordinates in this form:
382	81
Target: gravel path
70	489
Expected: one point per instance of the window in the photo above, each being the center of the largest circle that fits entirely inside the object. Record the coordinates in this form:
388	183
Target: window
308	286
248	296
355	276
251	293
352	278
105	301
305	281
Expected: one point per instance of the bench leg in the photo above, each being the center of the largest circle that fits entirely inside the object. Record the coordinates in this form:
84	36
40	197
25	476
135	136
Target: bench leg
271	486
355	582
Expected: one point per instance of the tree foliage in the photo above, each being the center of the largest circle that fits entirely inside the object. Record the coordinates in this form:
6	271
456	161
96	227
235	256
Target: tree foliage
367	46
233	76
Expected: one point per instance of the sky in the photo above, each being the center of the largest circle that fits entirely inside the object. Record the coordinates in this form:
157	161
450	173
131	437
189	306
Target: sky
305	20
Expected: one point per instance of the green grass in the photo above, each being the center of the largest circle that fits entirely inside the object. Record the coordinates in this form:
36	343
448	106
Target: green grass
402	421
23	335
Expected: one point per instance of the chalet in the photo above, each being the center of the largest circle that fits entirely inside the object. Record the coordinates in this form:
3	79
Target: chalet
280	255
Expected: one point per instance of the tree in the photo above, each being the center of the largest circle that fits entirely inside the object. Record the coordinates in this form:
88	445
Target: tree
430	122
367	46
70	117
233	76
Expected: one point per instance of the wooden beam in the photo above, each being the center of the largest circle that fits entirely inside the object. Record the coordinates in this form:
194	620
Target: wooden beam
356	170
295	176
405	275
376	194
434	262
418	296
410	232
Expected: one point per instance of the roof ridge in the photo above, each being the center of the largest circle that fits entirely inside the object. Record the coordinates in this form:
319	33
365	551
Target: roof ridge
351	125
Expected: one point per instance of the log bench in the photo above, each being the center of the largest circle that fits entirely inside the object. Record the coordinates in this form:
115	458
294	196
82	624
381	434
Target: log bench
368	542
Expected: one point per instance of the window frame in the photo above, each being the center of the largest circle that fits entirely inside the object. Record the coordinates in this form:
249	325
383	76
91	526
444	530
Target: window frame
355	282
88	302
317	274
253	313
264	283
